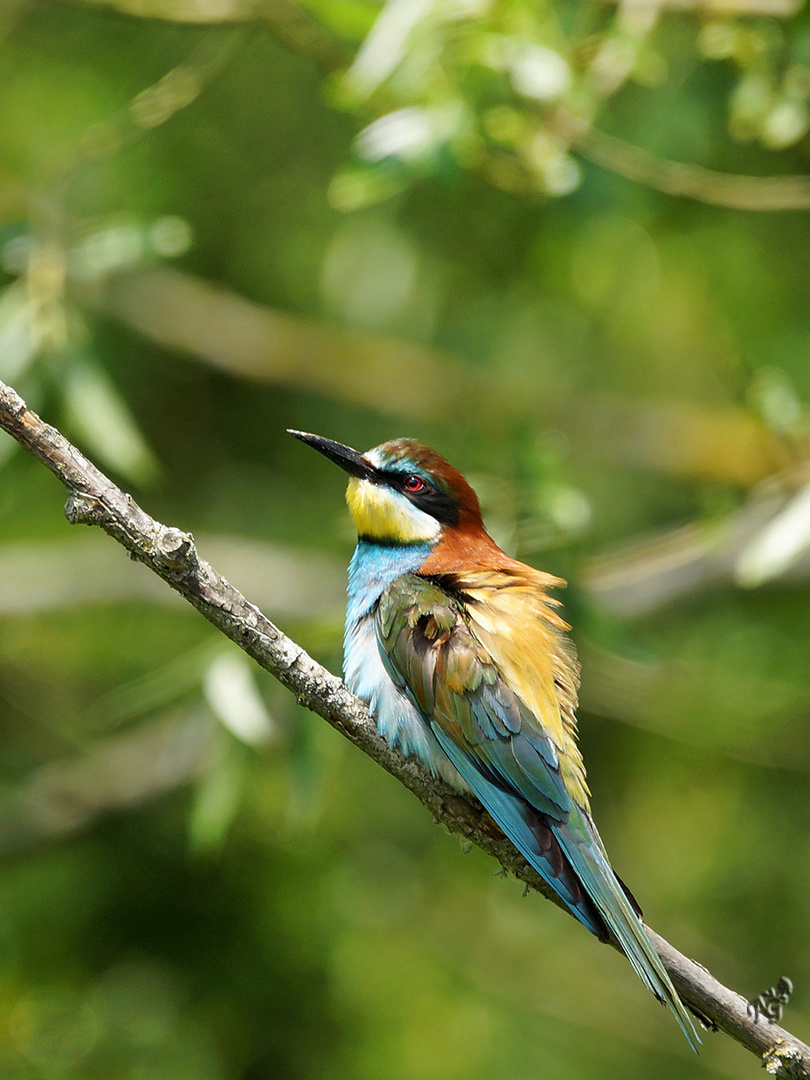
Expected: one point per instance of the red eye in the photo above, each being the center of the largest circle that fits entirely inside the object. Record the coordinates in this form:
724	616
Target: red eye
414	483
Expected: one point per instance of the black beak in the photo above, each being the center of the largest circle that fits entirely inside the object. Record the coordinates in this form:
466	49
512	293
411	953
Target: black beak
349	460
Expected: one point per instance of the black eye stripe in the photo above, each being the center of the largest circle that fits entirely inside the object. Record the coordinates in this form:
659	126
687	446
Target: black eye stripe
429	498
399	481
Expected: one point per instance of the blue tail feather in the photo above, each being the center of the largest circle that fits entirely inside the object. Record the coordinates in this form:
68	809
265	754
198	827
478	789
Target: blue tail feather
601	902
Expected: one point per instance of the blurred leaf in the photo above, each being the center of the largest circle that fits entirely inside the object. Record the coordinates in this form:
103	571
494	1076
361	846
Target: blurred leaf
101	417
217	798
231	692
386	44
156	688
18	348
355	188
776	547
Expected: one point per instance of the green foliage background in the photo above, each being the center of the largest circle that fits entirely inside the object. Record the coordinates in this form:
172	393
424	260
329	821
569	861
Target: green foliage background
198	255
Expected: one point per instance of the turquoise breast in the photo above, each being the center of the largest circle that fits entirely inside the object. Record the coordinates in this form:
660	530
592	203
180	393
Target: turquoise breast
371	571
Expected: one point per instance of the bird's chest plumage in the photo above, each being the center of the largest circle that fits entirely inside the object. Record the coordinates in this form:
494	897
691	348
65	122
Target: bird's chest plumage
373	568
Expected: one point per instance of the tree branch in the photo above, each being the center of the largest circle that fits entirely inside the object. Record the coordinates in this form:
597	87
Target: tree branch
284	16
291	23
94	500
758	193
219	327
725	9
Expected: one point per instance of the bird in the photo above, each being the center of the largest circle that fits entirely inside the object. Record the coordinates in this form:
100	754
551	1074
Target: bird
465	663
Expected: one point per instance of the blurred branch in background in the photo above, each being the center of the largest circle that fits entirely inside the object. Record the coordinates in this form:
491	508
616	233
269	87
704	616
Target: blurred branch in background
774	8
93	499
221	328
289	21
287	17
50	576
151	107
757	193
758	542
214	325
722	442
664	699
118	773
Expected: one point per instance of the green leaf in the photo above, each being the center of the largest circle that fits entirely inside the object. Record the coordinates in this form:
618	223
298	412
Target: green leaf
98	413
234	698
18	347
217	798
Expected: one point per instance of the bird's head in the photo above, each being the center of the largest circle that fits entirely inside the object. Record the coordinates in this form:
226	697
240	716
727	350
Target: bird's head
402	492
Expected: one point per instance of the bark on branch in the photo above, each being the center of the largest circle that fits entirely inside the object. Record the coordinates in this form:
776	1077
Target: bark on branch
170	553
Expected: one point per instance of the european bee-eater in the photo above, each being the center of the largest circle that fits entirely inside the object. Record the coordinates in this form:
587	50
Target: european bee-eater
463	660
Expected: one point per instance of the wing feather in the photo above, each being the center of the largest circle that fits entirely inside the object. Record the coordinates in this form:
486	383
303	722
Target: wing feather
484	658
511	763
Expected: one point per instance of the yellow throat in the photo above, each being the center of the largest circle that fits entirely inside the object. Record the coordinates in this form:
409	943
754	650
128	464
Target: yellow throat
380	513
